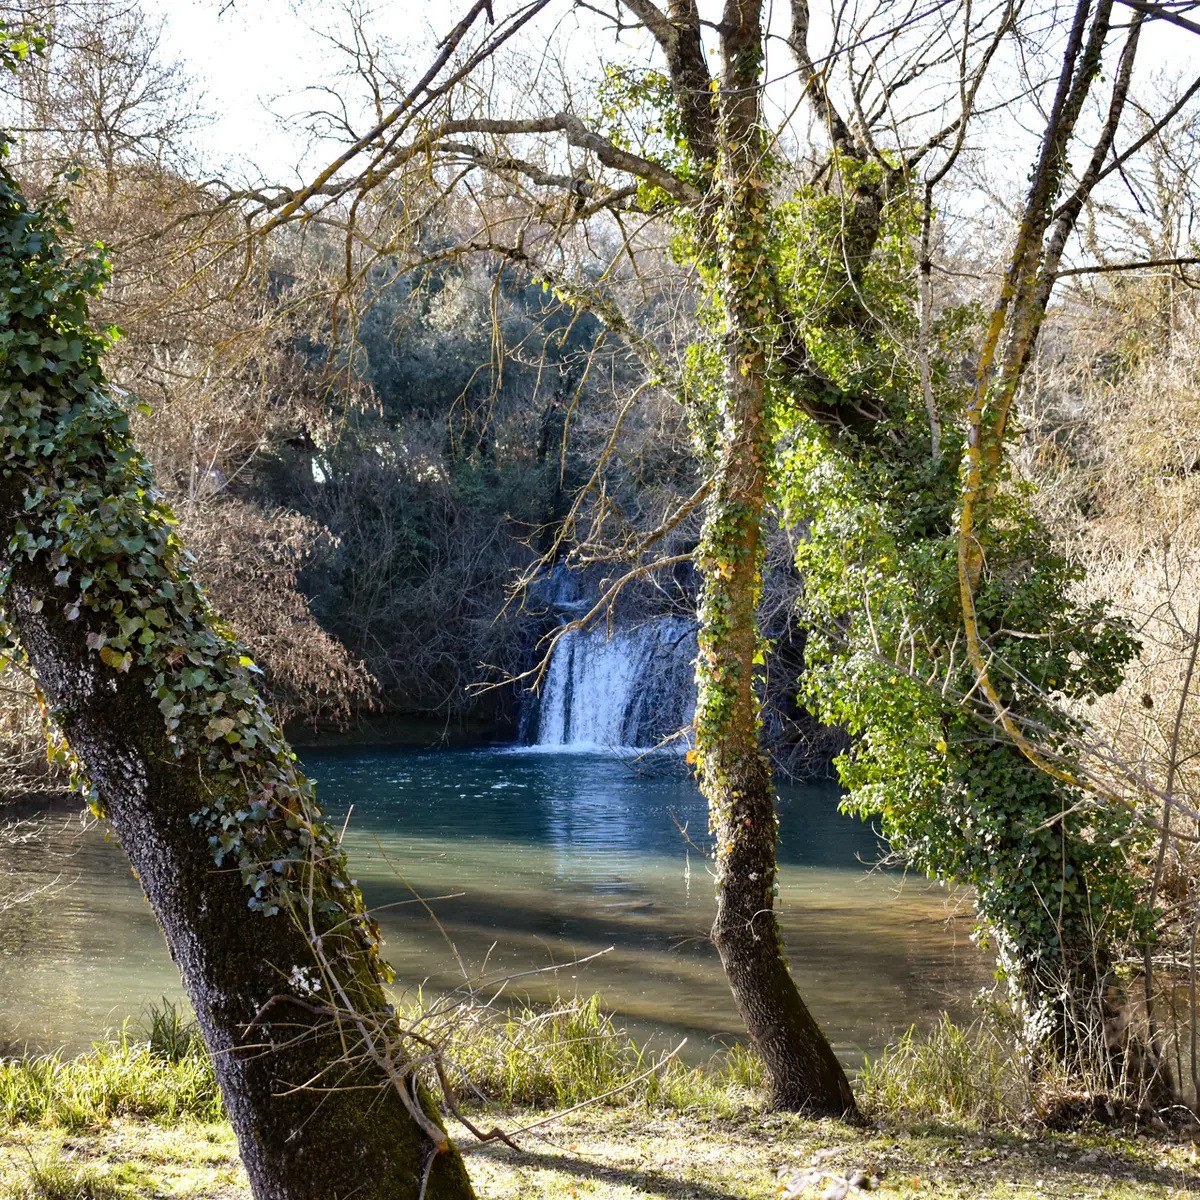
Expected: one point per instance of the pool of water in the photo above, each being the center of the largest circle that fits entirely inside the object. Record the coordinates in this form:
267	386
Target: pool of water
488	864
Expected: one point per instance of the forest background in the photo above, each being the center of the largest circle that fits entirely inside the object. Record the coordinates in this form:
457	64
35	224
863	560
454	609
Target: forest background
362	472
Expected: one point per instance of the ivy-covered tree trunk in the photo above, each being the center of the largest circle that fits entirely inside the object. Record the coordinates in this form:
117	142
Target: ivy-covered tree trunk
805	1073
155	700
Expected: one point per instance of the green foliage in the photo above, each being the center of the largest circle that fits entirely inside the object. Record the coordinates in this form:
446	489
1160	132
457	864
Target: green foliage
464	409
556	1057
638	112
96	524
731	425
968	1076
885	657
16	45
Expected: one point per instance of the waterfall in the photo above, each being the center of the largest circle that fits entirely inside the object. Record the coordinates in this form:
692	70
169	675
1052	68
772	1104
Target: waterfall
634	688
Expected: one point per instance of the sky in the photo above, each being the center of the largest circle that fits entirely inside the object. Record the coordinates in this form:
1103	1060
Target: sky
254	60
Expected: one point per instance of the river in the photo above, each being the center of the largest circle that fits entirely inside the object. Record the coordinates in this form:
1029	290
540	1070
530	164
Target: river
487	863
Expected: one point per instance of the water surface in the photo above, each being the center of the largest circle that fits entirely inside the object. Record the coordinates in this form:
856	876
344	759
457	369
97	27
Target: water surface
488	863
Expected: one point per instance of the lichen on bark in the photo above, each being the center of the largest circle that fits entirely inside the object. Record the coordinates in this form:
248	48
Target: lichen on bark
153	701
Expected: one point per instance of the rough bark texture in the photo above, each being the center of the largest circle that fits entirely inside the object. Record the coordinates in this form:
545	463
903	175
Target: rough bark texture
677	31
805	1074
154	697
311	1144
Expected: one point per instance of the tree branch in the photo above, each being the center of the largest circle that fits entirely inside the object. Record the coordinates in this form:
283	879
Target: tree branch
677	32
447	48
577	134
1102	268
814	82
1160	12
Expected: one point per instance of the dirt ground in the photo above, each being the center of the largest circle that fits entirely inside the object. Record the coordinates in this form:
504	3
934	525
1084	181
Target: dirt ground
623	1153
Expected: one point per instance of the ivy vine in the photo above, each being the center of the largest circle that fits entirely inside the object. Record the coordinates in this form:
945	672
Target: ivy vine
93	517
885	656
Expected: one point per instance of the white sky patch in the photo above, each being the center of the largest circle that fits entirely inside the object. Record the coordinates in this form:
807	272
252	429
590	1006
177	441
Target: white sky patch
255	63
259	62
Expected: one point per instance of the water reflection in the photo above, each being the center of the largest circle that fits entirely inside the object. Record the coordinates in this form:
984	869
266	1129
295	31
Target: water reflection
527	860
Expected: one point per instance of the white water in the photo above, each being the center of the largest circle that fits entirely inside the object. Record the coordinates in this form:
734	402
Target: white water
633	689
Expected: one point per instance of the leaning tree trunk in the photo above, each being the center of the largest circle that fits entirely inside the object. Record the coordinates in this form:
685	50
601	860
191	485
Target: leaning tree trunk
155	700
805	1073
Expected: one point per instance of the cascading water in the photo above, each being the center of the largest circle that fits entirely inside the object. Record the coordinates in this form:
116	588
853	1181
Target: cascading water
632	689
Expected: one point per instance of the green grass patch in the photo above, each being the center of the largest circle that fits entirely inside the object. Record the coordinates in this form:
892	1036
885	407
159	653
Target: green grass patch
631	1153
139	1118
126	1077
55	1178
572	1052
966	1076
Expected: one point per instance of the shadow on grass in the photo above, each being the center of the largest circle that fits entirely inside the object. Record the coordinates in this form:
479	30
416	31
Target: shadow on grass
655	1182
931	1151
1022	1158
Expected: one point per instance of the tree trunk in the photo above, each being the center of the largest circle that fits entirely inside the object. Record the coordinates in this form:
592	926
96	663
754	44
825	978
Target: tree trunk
805	1074
155	699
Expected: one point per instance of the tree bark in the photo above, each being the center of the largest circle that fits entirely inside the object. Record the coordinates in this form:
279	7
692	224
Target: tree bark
94	591
805	1073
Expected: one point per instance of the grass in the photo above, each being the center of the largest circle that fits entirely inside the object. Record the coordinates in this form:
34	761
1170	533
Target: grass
166	1076
572	1052
56	1178
967	1076
631	1153
125	1159
139	1118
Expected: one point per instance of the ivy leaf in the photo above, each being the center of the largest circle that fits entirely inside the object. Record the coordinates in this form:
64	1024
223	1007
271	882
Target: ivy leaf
193	677
115	659
218	727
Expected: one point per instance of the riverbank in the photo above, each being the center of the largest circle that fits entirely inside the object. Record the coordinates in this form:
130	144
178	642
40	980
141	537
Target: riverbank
140	1118
622	1153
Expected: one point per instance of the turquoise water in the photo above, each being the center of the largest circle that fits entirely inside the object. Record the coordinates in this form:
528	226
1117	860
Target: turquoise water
489	864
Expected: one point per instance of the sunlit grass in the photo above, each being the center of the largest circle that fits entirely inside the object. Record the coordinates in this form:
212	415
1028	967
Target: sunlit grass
51	1177
139	1117
572	1052
557	1056
967	1076
125	1077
